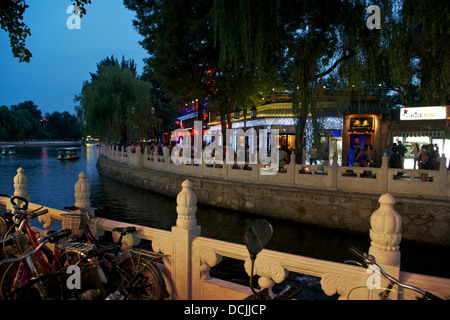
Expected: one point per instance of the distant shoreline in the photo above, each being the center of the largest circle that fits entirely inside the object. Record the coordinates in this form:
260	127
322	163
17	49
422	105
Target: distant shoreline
42	143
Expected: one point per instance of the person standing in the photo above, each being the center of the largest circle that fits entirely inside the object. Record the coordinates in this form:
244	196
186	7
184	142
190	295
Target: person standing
401	149
395	159
357	155
416	153
366	156
282	159
313	154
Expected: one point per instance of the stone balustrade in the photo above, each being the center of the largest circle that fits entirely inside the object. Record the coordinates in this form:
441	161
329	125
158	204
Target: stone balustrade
432	184
189	256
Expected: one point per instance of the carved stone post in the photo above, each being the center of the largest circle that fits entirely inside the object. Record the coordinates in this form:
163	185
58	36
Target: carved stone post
82	200
384	177
182	235
385	233
82	192
334	172
20	187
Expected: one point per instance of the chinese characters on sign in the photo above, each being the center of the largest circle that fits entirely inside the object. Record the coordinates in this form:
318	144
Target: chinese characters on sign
423	113
363	124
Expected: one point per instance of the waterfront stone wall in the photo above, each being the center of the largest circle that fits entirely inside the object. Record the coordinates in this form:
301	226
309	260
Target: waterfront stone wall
423	220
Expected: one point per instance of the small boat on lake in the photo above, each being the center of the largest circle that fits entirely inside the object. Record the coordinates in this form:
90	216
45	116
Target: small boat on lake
7	150
67	154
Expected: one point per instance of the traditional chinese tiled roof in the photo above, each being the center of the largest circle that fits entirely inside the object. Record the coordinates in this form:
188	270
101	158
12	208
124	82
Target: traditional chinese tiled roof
328	109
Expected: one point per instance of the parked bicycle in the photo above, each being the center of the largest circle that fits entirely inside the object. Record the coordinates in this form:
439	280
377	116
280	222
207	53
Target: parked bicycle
25	278
123	294
20	238
11	223
368	260
256	237
112	269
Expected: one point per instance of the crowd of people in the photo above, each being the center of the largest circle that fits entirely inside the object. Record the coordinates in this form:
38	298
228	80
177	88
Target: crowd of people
364	157
425	157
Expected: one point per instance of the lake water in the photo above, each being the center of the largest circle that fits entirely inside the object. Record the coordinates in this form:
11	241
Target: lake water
51	183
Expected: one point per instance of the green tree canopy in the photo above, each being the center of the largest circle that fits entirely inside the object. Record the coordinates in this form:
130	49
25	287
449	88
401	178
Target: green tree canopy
115	103
317	42
184	56
62	125
24	121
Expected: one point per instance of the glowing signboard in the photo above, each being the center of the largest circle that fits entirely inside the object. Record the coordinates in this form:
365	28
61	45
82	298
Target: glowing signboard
423	113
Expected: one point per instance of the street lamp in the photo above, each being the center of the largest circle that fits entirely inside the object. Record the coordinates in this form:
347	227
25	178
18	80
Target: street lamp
254	112
237	113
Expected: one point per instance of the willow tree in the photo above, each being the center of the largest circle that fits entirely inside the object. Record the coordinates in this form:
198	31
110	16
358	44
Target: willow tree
313	42
418	37
294	40
115	103
177	36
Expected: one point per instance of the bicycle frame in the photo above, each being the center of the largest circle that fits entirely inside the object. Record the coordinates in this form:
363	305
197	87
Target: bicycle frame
116	260
369	260
27	270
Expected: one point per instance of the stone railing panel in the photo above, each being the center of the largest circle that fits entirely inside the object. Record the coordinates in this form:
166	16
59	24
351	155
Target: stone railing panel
286	177
319	177
419	182
214	171
360	179
354	179
238	172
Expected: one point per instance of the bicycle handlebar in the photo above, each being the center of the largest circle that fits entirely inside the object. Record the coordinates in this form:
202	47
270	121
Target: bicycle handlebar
24	219
368	259
42	241
25	206
74	208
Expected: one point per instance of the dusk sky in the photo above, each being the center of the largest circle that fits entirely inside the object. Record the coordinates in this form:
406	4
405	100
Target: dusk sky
62	58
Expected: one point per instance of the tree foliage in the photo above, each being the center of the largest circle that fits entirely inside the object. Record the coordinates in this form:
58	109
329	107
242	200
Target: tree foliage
115	103
62	125
24	121
11	20
318	42
184	57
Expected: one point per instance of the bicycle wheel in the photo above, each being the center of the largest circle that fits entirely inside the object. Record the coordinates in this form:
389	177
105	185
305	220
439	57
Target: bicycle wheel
8	272
89	277
26	290
152	287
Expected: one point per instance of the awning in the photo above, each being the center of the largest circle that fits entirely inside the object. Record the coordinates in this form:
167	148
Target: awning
188	116
421	133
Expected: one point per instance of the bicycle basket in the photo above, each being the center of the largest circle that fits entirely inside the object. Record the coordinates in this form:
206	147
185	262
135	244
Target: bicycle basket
75	222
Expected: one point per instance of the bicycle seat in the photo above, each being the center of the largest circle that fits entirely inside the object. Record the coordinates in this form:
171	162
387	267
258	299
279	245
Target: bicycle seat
124	230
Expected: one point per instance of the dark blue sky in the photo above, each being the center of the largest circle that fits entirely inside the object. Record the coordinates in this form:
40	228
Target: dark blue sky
62	58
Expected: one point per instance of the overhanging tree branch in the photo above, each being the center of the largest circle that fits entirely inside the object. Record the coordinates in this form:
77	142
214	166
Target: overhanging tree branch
350	55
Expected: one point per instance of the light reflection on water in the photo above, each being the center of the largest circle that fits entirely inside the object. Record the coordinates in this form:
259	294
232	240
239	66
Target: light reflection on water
51	183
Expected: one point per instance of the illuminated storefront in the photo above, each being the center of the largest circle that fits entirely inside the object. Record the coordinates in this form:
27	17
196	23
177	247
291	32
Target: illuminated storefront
422	126
280	116
364	123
